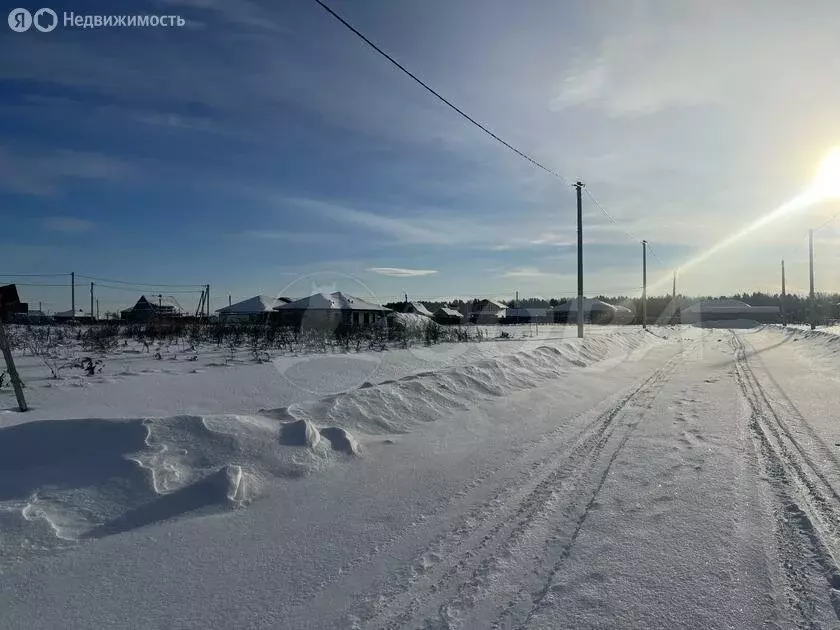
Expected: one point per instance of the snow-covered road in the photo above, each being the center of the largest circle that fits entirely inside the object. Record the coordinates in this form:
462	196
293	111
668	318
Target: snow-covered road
691	482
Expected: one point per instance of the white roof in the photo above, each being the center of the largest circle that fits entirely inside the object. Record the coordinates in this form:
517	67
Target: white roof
336	301
449	312
588	305
420	309
525	311
256	304
488	302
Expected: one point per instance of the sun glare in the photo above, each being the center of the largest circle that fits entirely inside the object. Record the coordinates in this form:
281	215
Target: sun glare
827	181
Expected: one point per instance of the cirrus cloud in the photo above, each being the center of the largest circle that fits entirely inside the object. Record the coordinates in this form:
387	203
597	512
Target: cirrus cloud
402	273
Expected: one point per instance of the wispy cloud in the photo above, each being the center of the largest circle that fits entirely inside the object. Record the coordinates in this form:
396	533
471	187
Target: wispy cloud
400	229
721	58
43	175
283	235
68	225
526	272
402	273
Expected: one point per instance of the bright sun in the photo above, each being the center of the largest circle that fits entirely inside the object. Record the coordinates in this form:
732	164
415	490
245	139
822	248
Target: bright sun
827	181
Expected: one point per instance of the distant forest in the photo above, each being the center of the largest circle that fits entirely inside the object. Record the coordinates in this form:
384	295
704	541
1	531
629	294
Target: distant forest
796	307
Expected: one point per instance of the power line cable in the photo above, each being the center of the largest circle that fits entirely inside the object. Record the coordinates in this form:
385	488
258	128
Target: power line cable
473	121
150	291
33	275
822	225
135	284
655	257
609	216
437	94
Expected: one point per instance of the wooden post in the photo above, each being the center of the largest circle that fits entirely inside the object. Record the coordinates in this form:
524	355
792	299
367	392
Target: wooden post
811	296
644	285
10	364
578	189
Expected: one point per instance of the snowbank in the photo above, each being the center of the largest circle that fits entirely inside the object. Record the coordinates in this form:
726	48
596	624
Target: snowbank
64	481
396	406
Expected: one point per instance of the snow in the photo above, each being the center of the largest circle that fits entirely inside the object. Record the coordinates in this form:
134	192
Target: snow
254	305
677	477
330	302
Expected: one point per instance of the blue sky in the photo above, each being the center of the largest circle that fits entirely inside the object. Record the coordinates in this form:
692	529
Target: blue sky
265	149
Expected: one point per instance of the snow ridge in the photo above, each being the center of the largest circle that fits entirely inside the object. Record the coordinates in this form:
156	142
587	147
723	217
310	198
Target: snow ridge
64	481
396	406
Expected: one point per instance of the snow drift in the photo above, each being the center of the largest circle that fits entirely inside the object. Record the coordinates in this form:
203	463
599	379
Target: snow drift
63	481
396	406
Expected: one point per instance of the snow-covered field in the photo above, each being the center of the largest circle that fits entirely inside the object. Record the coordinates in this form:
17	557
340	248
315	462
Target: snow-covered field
677	477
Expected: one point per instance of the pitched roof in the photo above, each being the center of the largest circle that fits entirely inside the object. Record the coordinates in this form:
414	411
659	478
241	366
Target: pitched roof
9	295
420	309
589	304
526	312
336	301
256	304
487	302
449	312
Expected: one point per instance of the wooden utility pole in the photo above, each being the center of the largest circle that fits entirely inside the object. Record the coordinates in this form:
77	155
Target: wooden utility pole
811	297
644	285
579	189
784	313
10	366
208	301
91	300
73	295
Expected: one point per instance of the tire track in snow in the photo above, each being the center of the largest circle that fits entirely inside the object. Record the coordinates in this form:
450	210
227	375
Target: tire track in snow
808	509
539	601
463	565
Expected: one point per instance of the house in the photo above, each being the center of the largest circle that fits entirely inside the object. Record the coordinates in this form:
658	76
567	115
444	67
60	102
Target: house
10	302
330	310
513	315
413	307
594	312
485	311
446	315
30	317
731	311
257	308
66	316
146	311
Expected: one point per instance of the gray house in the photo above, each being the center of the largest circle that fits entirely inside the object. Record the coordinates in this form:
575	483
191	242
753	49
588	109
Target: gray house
257	308
330	310
446	315
594	312
729	311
